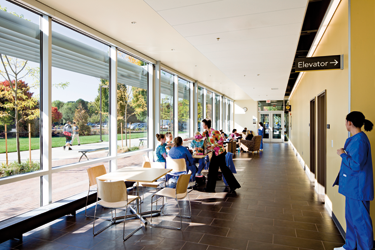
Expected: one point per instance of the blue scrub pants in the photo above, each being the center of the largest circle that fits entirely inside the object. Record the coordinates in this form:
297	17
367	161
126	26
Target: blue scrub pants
358	225
202	164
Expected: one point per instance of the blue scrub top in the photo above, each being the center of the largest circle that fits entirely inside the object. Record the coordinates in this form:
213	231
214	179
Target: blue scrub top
355	178
196	144
160	150
181	152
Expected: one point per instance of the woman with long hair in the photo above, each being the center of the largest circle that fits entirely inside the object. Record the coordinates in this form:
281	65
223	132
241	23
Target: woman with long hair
261	133
161	152
355	181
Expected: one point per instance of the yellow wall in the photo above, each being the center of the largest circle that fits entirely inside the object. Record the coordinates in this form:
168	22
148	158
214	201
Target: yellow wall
363	64
334	42
244	119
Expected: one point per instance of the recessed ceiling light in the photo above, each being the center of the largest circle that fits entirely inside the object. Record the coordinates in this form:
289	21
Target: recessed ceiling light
172	49
258	74
218	39
134	22
244	75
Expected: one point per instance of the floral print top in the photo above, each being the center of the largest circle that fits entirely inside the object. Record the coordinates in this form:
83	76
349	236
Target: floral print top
215	140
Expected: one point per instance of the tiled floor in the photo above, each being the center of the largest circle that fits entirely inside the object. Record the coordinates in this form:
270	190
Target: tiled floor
276	208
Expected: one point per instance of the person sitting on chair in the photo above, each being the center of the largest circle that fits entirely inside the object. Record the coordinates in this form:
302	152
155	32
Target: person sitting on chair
180	152
249	136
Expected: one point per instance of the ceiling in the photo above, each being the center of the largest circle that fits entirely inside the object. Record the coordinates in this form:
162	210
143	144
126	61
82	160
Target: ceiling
258	39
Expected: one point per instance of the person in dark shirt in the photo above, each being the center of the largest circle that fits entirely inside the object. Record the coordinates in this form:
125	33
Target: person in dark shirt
250	136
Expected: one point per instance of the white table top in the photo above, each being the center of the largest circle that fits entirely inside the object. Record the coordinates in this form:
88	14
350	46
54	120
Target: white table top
135	174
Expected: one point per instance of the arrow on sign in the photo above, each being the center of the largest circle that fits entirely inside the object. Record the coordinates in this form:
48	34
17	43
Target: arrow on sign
335	62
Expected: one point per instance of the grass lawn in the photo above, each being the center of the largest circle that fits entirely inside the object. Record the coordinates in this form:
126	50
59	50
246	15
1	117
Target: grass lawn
58	141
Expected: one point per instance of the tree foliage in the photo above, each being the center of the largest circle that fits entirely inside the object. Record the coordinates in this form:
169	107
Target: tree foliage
81	117
56	115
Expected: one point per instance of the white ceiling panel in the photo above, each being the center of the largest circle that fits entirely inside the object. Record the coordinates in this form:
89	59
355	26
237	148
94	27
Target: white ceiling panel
257	44
222	9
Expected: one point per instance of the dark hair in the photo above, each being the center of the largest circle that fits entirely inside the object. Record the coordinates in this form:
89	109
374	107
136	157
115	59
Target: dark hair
261	124
177	141
160	136
168	133
74	122
207	122
244	131
234	130
358	119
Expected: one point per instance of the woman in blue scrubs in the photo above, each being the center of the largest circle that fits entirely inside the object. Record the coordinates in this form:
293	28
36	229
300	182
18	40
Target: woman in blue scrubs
261	133
355	181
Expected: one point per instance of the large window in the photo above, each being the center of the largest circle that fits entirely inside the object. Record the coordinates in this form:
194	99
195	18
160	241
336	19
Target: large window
183	108
80	96
19	107
200	107
166	102
209	105
132	84
225	115
217	112
230	111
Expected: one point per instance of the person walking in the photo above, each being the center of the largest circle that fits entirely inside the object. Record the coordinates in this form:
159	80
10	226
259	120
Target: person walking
76	133
67	131
355	181
261	133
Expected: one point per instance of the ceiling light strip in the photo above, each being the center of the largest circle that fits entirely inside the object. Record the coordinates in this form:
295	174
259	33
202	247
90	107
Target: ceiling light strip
318	37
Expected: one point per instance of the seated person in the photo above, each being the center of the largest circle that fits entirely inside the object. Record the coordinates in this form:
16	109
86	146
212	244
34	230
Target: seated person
180	152
197	145
169	137
235	135
161	152
250	136
244	133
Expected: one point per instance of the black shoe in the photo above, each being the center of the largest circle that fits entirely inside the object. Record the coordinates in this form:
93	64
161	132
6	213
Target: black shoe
79	144
70	148
64	147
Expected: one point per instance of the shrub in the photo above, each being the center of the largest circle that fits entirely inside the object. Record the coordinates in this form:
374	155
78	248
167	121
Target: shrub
15	168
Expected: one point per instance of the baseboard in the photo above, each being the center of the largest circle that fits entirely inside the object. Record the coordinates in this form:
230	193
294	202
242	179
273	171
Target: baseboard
338	225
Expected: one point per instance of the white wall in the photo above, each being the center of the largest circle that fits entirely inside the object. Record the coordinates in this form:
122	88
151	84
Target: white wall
245	119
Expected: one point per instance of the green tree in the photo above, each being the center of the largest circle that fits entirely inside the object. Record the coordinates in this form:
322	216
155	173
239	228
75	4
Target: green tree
58	104
183	110
105	99
80	117
83	103
139	102
68	111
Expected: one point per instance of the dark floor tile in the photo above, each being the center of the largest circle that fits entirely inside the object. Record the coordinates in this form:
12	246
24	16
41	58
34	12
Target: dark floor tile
47	233
331	245
319	236
292	211
41	244
274	230
119	244
254	220
217	248
250	235
222	216
79	240
233	243
167	244
316	220
272	215
312	214
262	246
331	229
294	224
190	236
220	231
194	246
298	242
149	240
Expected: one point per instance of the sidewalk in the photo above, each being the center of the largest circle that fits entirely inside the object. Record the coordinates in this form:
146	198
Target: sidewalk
71	156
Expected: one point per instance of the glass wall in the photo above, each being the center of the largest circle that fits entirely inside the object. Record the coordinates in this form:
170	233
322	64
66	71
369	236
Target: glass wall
209	105
217	112
19	107
80	104
200	106
183	108
229	115
271	106
132	84
225	115
80	96
166	102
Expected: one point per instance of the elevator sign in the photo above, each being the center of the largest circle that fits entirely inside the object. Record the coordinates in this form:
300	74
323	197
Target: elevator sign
318	63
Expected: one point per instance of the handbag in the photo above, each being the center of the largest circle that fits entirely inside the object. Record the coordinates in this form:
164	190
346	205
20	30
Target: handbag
66	133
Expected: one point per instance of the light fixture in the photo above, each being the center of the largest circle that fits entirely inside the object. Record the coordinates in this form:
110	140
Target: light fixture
274	88
172	49
133	22
244	75
258	74
218	39
323	27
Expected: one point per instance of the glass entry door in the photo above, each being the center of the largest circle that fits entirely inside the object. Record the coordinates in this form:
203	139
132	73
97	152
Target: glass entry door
273	126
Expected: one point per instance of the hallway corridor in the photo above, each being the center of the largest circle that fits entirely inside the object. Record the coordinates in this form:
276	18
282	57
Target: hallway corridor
276	208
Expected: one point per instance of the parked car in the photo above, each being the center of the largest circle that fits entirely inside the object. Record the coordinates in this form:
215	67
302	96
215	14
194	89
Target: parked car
134	126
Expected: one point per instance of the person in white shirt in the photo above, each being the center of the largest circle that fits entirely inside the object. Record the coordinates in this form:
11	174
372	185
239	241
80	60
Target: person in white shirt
76	133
